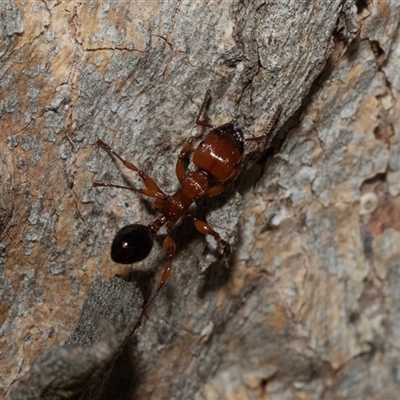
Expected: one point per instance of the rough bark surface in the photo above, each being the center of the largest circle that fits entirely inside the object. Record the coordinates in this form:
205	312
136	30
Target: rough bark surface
80	369
308	306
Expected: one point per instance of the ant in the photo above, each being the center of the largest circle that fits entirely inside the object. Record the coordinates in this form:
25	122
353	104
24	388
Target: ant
218	160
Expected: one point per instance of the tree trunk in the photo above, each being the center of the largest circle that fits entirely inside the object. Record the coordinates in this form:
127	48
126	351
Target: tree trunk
306	304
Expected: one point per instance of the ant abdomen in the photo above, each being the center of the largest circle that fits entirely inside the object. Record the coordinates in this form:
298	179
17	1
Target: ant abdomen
131	244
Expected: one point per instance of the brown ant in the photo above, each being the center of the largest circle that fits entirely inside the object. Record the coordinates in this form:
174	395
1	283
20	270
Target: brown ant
218	160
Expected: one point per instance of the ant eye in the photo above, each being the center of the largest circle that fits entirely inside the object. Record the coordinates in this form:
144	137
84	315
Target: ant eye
132	243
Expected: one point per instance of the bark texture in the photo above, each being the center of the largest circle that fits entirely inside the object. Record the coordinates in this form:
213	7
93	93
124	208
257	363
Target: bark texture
308	305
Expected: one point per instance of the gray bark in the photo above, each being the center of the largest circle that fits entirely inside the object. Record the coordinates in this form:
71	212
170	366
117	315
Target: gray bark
81	367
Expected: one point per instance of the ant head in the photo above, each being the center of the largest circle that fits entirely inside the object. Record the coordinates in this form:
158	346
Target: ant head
132	243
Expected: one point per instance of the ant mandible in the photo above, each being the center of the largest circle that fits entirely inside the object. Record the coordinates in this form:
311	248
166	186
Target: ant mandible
218	160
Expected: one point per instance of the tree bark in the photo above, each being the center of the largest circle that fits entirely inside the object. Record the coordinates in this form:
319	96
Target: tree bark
306	305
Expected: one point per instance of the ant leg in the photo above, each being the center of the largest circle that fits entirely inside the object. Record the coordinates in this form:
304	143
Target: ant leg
159	204
145	192
150	184
269	126
202	108
169	246
188	146
206	229
180	164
